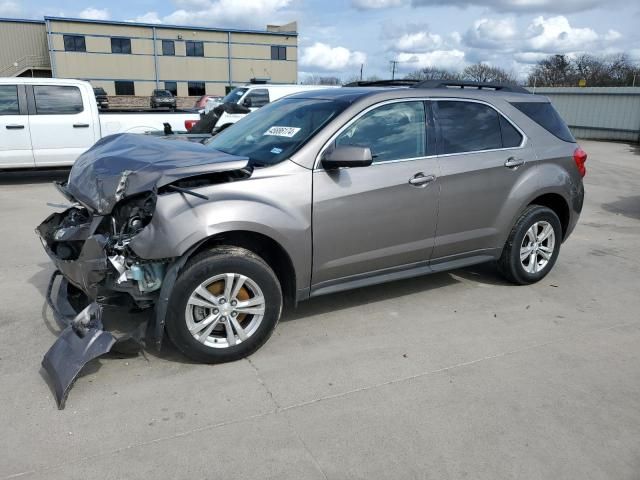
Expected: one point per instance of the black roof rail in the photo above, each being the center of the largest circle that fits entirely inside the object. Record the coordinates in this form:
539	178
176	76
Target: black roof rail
398	82
498	87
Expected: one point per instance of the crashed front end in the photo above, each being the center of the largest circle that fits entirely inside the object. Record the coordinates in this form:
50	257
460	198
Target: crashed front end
113	190
96	268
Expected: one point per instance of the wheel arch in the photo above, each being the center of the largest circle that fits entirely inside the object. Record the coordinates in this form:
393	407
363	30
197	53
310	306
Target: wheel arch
271	251
558	204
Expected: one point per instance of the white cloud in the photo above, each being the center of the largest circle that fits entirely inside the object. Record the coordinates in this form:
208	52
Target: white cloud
9	8
95	14
490	33
149	17
556	35
559	6
444	59
226	12
321	56
418	42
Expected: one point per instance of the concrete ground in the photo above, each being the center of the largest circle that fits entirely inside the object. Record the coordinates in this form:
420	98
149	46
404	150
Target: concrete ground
455	375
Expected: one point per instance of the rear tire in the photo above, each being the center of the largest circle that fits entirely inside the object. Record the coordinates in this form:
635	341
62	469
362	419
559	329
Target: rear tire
532	247
217	286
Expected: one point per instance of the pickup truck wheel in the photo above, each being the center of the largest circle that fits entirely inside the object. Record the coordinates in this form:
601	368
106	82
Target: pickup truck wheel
224	306
532	247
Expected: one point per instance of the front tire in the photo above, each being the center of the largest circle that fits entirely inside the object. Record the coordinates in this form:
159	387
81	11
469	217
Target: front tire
532	247
224	306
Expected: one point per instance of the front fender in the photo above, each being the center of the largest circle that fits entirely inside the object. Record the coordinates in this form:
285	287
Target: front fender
258	204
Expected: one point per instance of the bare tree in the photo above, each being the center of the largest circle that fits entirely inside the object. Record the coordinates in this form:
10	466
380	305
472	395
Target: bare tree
320	80
481	72
606	71
432	73
356	78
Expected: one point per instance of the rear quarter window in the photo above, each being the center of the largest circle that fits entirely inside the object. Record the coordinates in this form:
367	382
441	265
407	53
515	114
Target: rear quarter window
547	117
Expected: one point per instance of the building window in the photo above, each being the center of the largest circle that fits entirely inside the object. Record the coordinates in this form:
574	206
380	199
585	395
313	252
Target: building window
172	87
74	43
9	100
278	53
57	100
120	45
168	47
195	49
125	87
196	89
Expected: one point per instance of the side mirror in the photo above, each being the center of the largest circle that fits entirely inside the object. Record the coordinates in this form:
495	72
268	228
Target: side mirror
247	102
347	156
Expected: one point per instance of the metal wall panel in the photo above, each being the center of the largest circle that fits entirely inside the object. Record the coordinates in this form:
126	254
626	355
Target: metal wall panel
599	113
24	45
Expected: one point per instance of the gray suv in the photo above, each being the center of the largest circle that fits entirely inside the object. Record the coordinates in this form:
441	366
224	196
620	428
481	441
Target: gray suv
315	193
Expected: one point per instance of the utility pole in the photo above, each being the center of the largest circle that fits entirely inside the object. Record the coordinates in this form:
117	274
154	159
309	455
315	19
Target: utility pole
393	69
361	67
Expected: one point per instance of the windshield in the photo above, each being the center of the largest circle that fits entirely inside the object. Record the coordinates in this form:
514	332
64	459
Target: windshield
277	130
234	95
162	93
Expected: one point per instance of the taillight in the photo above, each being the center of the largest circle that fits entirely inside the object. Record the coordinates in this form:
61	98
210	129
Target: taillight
188	124
580	157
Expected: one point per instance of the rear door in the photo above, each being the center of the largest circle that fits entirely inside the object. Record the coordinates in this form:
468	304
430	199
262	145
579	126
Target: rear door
61	124
482	157
15	139
381	218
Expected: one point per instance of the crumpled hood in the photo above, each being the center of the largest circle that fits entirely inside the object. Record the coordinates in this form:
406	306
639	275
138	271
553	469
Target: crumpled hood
121	165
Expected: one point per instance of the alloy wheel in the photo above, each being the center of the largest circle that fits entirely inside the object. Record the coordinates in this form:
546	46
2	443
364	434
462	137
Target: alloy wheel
225	310
537	247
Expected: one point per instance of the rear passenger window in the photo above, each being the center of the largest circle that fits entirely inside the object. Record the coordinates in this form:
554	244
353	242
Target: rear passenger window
510	136
467	127
57	100
395	131
9	100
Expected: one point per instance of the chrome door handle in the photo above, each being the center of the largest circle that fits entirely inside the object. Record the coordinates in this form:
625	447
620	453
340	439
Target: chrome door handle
14	127
513	162
421	180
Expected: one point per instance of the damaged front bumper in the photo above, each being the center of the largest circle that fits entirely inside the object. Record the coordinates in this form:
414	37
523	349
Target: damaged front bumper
95	273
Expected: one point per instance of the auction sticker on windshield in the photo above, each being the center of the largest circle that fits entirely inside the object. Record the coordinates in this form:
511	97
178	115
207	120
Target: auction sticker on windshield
282	131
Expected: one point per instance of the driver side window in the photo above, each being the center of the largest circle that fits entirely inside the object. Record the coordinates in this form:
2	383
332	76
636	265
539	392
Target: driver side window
395	131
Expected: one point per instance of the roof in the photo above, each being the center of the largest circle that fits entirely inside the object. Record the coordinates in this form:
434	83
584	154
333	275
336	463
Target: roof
41	81
352	94
165	26
21	20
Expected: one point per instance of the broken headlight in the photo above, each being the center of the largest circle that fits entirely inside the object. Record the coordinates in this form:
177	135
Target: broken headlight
132	214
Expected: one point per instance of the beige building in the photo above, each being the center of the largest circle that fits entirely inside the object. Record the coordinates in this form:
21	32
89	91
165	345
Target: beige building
128	58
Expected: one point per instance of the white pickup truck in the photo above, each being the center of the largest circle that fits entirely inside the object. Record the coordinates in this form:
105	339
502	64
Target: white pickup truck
49	122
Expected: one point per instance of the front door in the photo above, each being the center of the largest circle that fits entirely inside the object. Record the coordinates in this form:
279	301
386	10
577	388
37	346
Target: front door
381	218
62	127
15	139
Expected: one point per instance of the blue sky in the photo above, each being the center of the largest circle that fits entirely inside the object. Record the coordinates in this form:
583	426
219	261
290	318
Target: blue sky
336	37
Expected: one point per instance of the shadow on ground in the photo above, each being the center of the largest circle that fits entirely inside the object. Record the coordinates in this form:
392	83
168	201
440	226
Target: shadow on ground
627	206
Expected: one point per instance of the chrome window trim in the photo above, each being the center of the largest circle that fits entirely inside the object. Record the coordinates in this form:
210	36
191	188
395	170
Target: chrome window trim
356	118
523	143
525	138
